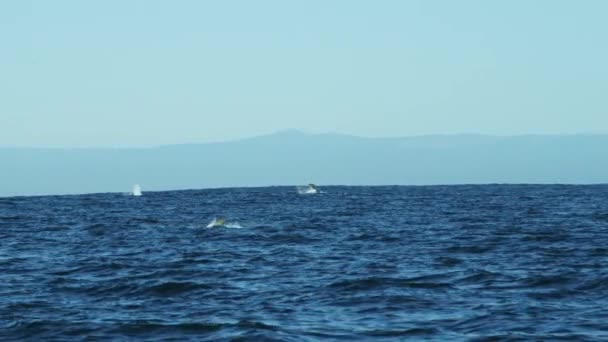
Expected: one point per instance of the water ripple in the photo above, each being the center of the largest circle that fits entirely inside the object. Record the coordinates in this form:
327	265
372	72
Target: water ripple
470	263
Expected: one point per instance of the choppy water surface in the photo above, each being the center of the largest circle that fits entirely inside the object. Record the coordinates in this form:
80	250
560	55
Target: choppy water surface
355	263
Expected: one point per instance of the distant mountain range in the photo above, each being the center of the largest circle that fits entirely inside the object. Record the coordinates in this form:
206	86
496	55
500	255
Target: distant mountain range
293	157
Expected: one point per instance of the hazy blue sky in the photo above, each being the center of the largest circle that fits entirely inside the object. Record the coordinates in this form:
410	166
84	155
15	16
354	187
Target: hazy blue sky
125	73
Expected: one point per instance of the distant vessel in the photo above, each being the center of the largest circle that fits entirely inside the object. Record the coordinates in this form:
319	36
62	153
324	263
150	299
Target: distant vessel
136	190
307	190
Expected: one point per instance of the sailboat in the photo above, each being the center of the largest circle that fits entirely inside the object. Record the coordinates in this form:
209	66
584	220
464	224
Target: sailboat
136	190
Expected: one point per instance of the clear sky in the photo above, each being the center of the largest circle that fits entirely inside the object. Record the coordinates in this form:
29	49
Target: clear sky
137	73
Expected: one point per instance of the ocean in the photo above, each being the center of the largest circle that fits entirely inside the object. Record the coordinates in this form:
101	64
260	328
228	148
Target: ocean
445	263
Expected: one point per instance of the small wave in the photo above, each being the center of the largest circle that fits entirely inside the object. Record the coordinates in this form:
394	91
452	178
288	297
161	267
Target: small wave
556	236
374	283
14	218
474	249
173	288
382	303
149	220
596	285
479	278
159	328
150	327
541	281
603	216
29	305
448	261
111	288
294	238
97	229
10	261
45	330
256	325
474	221
599	251
552	295
374	237
6	201
98	267
413	332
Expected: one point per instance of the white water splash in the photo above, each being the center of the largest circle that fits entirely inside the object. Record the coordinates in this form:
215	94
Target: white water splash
221	223
307	190
136	190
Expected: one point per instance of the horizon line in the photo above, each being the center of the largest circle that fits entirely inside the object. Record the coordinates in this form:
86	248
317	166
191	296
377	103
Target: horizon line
128	193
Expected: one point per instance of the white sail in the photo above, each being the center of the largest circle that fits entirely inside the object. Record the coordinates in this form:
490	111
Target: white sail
136	190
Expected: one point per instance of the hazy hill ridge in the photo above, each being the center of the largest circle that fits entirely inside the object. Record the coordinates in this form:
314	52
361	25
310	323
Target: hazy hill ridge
293	157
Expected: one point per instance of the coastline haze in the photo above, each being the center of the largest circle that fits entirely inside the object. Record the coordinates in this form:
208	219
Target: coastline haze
293	158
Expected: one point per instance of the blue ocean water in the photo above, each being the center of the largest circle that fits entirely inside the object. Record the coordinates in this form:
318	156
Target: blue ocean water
481	263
